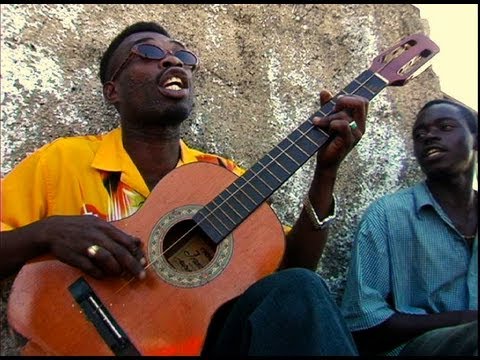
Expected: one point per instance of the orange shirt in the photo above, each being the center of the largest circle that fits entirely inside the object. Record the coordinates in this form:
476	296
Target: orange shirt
83	174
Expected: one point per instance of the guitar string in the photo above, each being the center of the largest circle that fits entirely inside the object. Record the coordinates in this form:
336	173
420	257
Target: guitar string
264	167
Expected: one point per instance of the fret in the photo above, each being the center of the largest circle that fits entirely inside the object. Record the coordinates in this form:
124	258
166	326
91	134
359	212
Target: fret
284	159
304	142
365	87
364	76
294	144
217	217
207	227
238	195
267	176
293	150
257	171
358	82
219	208
376	84
305	134
222	200
249	190
326	109
257	183
274	162
366	94
232	197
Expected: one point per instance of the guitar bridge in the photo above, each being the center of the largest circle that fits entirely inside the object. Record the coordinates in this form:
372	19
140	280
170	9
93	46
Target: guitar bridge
111	333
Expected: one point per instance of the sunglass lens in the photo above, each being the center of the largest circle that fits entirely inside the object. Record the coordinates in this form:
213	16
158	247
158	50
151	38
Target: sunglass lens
186	57
151	52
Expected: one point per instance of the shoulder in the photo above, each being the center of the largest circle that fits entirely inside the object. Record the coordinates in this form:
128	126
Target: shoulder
73	143
194	155
392	203
78	148
64	150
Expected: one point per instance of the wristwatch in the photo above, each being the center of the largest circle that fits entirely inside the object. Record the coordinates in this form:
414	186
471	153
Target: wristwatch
316	222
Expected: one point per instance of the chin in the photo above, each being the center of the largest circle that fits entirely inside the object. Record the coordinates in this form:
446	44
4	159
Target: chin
170	116
175	117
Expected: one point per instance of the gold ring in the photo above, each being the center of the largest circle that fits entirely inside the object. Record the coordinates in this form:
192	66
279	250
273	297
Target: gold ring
353	125
92	250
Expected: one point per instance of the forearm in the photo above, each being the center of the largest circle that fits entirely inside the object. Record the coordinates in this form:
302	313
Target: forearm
18	246
401	328
305	244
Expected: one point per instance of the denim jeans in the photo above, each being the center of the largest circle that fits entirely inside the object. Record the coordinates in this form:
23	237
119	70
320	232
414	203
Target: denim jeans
459	340
290	312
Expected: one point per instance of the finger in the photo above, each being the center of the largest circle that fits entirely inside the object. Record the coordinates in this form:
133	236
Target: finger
341	129
324	122
104	259
117	255
86	265
356	107
131	243
325	96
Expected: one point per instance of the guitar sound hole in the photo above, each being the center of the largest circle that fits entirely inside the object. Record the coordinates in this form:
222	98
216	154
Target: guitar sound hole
187	248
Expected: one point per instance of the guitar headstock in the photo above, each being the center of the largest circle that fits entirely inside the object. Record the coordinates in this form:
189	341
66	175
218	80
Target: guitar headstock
405	60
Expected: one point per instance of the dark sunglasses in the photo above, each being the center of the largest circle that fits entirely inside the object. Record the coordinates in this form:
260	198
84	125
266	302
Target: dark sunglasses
153	52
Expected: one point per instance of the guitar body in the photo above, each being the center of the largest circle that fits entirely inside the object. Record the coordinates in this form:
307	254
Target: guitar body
167	313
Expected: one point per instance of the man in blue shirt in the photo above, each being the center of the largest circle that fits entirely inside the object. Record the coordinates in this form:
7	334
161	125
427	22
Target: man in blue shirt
413	278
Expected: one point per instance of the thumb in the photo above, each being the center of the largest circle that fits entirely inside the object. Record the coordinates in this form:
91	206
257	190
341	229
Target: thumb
325	96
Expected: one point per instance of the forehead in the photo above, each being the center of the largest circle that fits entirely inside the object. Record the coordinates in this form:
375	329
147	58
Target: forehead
439	111
123	50
146	36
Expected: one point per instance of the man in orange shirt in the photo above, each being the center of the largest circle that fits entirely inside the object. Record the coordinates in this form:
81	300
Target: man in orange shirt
148	77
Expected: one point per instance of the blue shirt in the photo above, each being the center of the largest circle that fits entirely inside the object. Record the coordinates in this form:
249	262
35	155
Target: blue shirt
408	258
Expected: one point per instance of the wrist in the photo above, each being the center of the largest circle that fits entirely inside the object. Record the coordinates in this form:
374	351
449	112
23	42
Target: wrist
317	222
324	175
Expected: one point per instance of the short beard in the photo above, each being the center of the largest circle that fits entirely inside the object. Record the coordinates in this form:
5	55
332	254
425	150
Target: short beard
168	116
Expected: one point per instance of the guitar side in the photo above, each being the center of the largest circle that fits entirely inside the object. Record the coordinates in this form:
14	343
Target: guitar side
159	314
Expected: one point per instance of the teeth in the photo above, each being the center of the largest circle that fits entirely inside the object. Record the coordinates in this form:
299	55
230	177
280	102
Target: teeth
174	83
432	151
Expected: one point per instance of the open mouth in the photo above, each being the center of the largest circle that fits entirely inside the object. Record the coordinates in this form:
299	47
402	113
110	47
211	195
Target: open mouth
174	83
432	152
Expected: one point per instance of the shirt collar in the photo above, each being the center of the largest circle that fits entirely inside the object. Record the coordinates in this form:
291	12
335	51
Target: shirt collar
423	197
111	156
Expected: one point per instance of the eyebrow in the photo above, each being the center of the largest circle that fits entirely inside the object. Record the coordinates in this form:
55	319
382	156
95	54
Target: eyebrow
150	38
437	120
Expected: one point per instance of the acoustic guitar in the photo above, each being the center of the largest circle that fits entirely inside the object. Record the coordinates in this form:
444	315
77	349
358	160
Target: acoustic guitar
203	247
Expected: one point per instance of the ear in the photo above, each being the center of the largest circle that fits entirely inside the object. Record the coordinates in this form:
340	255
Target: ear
110	92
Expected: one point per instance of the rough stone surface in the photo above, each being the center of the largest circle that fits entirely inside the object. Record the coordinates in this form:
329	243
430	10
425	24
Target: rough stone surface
262	68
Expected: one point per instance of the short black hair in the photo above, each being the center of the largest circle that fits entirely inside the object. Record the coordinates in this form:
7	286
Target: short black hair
141	26
470	116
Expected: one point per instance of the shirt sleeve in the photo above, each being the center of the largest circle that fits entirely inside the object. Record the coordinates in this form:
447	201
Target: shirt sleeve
24	193
364	303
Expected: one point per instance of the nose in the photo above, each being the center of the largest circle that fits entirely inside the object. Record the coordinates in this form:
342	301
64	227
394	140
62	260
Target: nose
170	60
431	135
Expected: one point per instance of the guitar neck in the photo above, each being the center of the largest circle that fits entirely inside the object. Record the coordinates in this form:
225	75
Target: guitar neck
233	205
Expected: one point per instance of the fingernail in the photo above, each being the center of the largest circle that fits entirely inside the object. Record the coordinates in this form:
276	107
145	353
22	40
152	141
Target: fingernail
142	275
143	261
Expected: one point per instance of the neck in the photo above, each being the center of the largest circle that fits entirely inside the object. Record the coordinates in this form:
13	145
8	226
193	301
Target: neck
454	191
459	201
154	152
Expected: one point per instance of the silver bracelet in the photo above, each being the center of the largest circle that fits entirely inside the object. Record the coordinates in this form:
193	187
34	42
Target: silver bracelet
316	222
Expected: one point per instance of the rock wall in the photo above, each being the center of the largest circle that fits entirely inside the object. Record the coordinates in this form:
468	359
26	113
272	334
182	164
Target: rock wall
262	68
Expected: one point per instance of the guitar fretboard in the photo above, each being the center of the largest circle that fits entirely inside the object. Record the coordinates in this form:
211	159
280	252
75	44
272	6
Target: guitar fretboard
233	205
